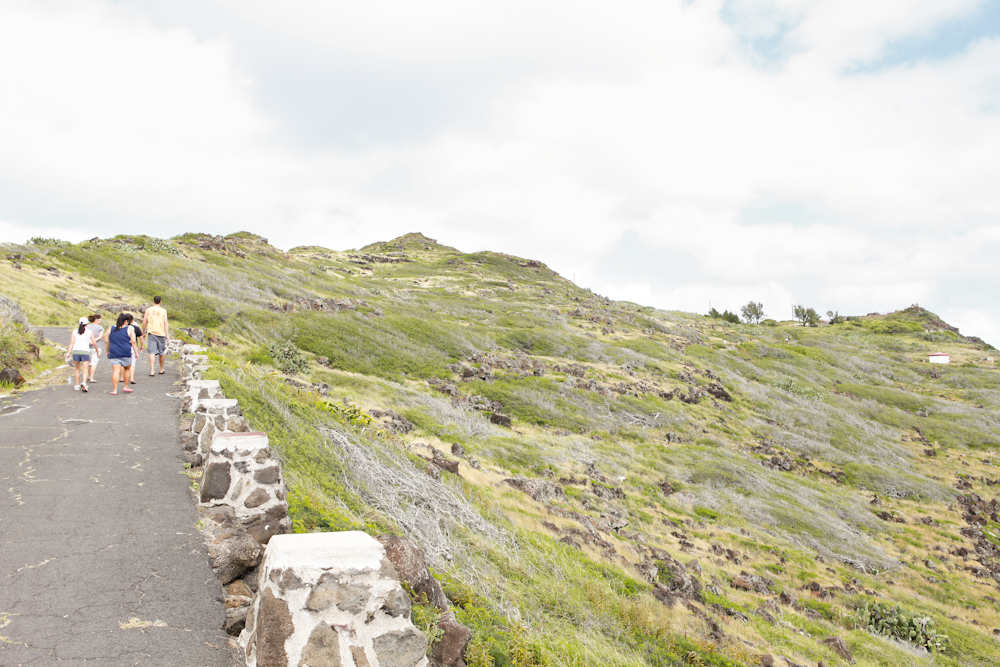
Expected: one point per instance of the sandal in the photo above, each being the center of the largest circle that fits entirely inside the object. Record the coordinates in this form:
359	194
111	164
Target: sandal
113	393
162	372
127	391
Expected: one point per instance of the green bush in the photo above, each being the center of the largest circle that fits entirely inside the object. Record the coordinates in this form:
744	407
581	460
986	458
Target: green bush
259	355
807	316
725	316
824	609
893	326
288	358
706	513
392	346
195	309
888	396
769	323
881	618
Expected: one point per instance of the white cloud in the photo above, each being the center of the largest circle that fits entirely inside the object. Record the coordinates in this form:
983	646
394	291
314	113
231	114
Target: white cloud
550	129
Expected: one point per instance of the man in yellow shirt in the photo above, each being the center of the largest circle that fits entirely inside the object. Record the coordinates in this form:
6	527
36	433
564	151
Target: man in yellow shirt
157	332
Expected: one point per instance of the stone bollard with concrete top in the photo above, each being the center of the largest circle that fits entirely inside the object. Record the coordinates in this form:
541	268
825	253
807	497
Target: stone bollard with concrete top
243	478
193	361
330	600
174	346
199	390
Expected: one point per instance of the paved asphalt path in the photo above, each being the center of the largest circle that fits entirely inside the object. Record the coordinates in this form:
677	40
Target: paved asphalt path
97	527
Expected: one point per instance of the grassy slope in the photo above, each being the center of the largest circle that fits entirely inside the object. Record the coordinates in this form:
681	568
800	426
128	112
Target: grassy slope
777	482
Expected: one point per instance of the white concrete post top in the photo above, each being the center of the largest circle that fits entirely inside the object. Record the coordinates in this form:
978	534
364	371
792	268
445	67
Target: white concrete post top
247	442
203	384
348	550
192	349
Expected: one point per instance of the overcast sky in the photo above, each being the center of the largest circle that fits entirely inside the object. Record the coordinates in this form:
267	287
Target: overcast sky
838	153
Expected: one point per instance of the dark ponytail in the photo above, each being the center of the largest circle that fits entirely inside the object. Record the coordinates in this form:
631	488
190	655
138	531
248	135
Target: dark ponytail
122	319
80	330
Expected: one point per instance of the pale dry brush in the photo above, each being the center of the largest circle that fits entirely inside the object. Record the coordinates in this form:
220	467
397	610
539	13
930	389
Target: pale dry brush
451	532
11	313
230	285
437	515
542	400
573	453
471	422
830	521
616	418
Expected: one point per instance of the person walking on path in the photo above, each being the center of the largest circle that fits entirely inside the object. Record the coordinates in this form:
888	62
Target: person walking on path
97	330
135	353
120	342
154	323
81	342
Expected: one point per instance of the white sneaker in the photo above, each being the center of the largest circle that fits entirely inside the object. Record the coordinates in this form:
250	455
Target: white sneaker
83	387
76	387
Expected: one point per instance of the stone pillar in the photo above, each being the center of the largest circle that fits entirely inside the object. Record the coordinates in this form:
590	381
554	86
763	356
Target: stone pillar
242	473
192	366
213	416
330	600
205	389
197	390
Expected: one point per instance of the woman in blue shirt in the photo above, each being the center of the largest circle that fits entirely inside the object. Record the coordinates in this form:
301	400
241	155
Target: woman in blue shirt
120	343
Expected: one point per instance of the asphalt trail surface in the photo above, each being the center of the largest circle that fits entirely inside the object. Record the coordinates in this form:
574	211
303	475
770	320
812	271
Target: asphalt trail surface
100	559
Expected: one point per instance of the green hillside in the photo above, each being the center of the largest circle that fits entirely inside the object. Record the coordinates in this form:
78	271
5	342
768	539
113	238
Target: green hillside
634	486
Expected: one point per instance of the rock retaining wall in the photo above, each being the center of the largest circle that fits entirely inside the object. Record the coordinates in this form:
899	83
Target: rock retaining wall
311	600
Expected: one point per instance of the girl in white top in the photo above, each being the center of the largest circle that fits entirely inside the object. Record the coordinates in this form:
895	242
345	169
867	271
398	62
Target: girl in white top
81	343
97	330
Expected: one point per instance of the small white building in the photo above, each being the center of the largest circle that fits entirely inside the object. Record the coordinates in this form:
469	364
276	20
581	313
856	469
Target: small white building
940	358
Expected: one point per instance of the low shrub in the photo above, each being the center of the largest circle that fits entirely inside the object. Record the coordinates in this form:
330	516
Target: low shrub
895	398
893	326
288	358
725	316
882	618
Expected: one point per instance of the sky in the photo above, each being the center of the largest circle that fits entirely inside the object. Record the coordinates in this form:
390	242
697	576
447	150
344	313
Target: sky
839	154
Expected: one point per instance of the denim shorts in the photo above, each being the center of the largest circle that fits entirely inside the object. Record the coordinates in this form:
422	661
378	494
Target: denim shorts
81	357
156	344
120	361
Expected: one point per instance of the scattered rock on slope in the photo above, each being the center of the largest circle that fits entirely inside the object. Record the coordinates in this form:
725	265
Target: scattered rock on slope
11	376
539	489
